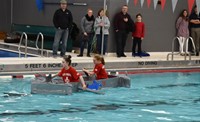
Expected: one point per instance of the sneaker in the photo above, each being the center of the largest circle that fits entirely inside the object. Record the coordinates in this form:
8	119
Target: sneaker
79	55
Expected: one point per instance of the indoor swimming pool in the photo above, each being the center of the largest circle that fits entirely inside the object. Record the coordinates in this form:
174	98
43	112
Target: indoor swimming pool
159	97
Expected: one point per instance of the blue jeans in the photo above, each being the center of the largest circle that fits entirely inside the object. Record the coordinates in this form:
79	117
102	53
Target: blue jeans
99	43
60	35
89	43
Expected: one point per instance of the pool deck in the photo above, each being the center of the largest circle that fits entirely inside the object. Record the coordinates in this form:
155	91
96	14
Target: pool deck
155	56
31	65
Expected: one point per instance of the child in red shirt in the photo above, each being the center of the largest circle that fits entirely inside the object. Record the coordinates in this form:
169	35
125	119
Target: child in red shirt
99	69
138	35
68	73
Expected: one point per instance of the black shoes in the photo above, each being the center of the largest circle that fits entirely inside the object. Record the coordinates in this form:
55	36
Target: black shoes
88	55
197	54
79	55
123	55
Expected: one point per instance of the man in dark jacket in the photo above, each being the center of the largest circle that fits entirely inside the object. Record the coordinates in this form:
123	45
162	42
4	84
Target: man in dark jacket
123	24
62	21
195	28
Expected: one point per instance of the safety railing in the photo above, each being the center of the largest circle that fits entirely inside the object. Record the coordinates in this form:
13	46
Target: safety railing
23	36
42	43
185	52
193	45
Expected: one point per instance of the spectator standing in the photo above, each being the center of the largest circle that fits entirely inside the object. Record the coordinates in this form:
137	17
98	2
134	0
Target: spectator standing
87	24
102	25
182	25
195	28
62	21
138	35
123	24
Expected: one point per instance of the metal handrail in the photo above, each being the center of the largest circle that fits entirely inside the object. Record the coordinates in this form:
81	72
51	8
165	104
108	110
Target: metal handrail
42	43
175	38
47	53
191	39
20	43
186	46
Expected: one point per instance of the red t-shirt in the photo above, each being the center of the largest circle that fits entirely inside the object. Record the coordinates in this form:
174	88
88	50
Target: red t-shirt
71	74
100	71
139	30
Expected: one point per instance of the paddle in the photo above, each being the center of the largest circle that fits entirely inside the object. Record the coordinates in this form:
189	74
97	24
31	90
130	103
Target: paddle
86	74
92	91
47	78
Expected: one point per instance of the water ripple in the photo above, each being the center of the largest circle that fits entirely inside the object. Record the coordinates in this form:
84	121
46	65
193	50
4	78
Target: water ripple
163	118
175	85
152	103
71	118
155	111
39	112
8	101
66	104
6	120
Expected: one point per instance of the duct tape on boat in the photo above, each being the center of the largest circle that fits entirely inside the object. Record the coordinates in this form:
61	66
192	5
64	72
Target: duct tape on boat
48	65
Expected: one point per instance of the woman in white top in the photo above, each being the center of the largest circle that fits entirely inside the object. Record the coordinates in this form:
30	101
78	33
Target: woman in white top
102	25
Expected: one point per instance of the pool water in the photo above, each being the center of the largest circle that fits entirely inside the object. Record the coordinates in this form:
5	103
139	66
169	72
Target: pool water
7	54
151	98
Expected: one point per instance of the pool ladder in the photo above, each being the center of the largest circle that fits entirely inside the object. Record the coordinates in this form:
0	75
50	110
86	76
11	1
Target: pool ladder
23	36
42	50
39	36
186	47
42	43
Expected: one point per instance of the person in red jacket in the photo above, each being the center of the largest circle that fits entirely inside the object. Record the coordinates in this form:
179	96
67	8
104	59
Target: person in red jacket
68	73
99	69
138	35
